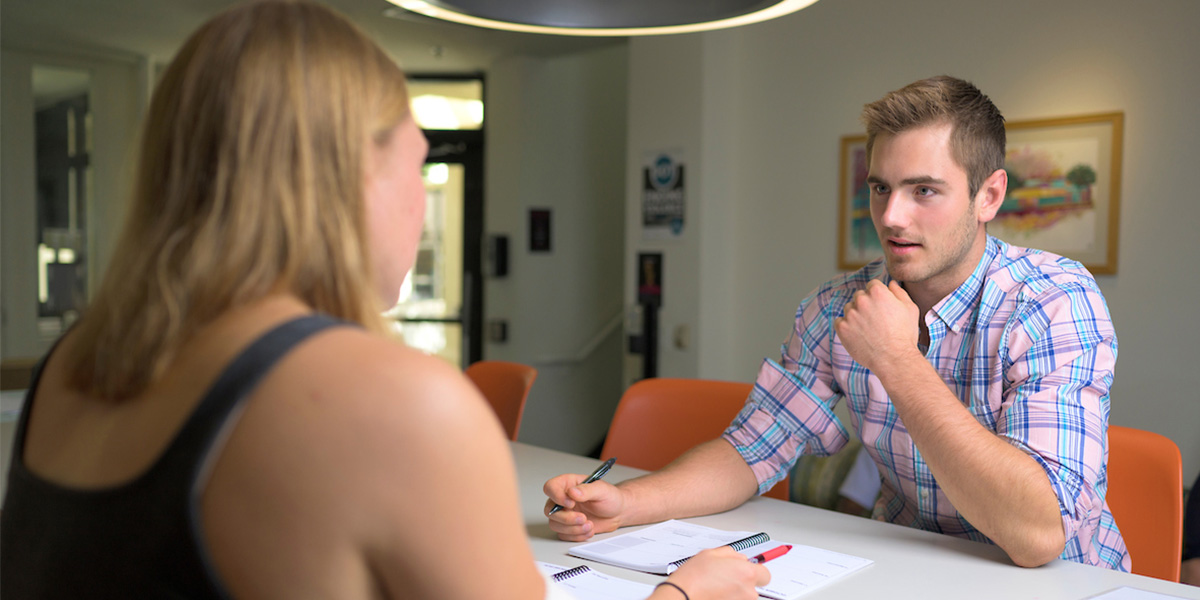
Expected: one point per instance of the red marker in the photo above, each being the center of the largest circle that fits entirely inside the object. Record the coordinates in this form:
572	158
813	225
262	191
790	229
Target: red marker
773	553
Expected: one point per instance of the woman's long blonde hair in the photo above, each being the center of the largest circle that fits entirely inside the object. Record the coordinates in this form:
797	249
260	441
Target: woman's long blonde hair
249	182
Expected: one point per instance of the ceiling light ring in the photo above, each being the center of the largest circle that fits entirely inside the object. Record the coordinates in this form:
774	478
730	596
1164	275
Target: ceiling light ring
431	8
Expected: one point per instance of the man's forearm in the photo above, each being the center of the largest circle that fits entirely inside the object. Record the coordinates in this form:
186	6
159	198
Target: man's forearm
997	487
709	478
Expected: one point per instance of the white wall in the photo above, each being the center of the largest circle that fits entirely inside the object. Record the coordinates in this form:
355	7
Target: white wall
803	80
666	111
117	99
555	139
683	90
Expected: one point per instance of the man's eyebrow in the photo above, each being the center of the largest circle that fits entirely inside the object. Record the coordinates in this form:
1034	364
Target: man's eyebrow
919	180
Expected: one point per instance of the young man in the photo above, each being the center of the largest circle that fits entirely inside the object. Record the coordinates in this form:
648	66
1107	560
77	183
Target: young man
976	373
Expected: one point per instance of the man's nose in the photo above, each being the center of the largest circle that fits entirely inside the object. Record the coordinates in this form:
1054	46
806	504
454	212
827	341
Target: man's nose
894	213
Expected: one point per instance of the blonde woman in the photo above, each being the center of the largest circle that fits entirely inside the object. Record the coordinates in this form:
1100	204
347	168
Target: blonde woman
229	419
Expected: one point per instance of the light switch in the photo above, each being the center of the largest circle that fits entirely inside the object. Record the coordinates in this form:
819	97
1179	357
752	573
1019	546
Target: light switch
682	337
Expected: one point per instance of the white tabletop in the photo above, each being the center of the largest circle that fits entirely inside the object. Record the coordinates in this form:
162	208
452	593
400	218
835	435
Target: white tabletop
909	563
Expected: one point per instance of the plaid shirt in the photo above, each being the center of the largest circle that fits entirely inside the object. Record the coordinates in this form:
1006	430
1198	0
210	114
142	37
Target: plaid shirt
1027	344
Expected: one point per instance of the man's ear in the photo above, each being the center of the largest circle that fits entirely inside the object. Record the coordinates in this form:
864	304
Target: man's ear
991	195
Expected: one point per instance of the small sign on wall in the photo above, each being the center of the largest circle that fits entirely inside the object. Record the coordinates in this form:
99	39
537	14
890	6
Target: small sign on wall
650	269
539	230
664	200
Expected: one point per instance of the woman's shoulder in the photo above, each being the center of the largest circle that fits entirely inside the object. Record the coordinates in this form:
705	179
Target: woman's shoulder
344	390
356	432
351	369
349	409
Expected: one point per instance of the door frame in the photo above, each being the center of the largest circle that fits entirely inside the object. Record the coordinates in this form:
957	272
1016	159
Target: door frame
466	148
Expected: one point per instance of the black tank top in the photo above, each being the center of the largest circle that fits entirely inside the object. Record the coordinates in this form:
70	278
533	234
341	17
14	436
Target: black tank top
141	539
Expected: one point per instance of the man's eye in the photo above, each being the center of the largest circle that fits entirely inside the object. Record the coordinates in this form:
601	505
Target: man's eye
879	189
924	191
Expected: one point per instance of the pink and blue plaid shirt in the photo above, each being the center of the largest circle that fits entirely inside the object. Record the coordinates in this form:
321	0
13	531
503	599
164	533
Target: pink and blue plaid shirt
1027	344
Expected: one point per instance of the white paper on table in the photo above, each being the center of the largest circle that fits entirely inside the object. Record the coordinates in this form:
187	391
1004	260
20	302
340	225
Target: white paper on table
804	569
590	584
653	549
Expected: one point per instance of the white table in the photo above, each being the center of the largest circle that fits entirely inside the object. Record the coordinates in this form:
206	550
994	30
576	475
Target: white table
909	563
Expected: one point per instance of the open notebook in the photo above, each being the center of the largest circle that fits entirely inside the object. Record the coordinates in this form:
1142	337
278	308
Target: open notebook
586	583
662	548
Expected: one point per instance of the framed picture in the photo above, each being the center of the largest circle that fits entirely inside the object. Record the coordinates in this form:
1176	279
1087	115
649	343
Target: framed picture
1064	191
857	242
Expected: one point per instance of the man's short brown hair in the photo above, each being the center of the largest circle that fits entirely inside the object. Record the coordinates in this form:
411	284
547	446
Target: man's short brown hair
977	138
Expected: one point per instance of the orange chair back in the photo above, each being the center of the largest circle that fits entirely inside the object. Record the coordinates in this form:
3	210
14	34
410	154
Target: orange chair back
506	386
657	420
1145	495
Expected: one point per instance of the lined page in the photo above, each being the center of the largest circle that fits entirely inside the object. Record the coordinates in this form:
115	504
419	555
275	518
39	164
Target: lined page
653	549
590	584
804	569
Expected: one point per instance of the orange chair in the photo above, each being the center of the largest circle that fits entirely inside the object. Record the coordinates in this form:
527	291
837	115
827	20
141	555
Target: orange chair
659	419
1145	495
506	386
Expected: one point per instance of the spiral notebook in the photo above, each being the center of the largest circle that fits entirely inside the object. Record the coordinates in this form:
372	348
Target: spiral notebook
586	583
662	548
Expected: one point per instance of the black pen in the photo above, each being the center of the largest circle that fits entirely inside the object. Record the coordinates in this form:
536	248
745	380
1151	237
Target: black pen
600	471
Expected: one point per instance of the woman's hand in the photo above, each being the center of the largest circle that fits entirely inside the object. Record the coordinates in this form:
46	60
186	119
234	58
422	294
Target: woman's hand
716	574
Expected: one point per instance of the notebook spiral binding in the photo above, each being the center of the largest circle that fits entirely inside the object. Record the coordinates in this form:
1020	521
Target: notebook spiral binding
739	545
753	540
569	573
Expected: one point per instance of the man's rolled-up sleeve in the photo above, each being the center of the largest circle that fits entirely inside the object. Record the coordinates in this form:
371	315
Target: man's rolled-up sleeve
790	410
1061	353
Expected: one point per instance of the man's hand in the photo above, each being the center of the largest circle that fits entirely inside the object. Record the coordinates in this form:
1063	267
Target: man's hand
996	486
588	509
710	478
880	323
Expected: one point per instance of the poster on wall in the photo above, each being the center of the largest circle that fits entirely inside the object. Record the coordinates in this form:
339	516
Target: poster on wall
664	200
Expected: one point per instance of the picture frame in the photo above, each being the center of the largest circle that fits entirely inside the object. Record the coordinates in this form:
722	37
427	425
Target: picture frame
1064	192
857	242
